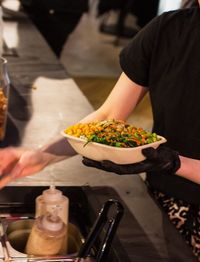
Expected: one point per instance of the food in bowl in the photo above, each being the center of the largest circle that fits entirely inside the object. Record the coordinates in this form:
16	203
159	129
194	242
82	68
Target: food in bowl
111	140
3	112
112	133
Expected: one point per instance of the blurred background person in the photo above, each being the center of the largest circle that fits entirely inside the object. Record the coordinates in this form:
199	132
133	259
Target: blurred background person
142	10
55	19
189	3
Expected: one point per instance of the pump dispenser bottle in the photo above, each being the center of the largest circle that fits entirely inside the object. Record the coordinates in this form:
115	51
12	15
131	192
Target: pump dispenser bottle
50	200
47	236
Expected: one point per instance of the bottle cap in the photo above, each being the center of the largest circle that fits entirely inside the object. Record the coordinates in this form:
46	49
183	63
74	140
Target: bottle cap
52	194
52	222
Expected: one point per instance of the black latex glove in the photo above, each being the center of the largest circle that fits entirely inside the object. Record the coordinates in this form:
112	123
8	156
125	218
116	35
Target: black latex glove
157	160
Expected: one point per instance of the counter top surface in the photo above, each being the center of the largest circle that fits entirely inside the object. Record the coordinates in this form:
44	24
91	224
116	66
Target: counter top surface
43	101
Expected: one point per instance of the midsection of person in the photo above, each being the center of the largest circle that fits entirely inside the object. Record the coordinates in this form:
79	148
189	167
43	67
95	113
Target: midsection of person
172	63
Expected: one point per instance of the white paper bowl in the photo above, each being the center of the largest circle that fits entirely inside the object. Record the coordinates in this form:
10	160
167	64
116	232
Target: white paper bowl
99	152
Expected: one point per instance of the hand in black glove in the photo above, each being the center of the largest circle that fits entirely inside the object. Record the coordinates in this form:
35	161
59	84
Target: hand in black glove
157	160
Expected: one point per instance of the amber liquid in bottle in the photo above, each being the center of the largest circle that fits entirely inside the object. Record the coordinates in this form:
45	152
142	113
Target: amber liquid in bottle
47	236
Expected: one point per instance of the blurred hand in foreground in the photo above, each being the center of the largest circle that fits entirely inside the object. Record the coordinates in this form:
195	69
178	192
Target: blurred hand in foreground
18	162
157	160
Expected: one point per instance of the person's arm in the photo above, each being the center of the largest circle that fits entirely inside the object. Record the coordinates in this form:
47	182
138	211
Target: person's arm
19	162
121	102
189	169
161	160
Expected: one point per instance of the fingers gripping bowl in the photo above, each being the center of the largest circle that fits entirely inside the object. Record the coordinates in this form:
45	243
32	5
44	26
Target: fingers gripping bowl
111	140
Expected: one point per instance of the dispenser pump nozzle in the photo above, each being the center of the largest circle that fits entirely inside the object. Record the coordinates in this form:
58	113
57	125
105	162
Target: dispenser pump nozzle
52	194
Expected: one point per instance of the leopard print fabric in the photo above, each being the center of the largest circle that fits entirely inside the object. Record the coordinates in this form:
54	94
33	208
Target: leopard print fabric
185	217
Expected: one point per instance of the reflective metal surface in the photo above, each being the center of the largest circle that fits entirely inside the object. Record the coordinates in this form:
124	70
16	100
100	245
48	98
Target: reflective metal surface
17	233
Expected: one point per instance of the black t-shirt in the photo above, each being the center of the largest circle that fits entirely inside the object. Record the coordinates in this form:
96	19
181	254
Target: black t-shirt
165	57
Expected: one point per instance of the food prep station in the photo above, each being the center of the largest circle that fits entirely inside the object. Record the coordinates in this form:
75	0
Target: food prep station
37	79
17	216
